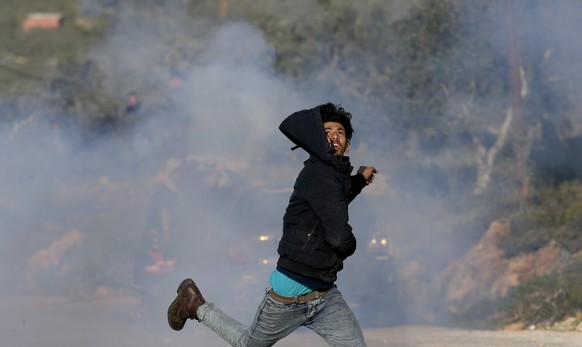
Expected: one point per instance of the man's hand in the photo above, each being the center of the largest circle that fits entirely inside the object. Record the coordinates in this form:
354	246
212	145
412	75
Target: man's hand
368	173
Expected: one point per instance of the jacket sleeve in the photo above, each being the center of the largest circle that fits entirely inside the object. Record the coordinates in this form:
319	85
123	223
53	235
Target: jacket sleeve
327	201
357	183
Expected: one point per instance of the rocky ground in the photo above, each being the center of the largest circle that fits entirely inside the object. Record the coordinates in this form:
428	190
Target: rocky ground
59	323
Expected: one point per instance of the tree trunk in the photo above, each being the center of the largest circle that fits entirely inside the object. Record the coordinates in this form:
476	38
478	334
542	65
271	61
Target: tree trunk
486	157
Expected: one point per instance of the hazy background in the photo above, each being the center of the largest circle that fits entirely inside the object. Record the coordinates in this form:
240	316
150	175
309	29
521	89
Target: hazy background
220	131
211	167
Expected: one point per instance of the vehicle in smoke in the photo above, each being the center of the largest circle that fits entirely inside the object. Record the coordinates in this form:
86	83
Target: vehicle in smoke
380	247
370	281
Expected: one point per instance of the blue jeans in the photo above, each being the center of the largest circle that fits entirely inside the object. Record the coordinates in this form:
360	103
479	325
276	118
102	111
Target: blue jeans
329	316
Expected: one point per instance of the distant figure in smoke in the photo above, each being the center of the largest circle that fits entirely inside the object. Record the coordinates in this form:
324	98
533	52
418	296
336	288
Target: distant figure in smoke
133	103
149	265
315	242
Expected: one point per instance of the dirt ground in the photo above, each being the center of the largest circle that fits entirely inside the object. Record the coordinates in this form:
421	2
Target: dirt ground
57	323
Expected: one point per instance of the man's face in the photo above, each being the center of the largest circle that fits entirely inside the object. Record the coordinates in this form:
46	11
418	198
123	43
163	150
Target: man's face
132	100
336	135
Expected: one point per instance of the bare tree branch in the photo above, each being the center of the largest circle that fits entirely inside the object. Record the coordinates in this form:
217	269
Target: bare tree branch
485	158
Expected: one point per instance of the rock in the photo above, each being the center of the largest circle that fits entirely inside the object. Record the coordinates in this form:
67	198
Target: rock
484	273
514	326
567	324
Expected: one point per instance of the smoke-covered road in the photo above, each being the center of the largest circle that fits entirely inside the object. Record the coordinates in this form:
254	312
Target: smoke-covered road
52	323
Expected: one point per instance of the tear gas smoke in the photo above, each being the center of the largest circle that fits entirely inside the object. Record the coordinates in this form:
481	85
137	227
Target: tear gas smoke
213	170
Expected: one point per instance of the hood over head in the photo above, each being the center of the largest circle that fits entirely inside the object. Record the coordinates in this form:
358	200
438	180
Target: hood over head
305	129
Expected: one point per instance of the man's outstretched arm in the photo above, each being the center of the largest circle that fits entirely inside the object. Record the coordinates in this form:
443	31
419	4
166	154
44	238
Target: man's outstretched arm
362	178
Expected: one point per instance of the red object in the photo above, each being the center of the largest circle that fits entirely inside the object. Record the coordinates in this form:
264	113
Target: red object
42	21
161	264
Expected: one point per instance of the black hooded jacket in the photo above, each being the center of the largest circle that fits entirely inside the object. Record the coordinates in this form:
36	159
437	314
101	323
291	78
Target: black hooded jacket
316	235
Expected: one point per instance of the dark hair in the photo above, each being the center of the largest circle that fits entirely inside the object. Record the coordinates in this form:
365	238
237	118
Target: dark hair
335	113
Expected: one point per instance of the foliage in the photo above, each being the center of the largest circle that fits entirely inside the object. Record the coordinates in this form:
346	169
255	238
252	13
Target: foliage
551	214
545	300
37	51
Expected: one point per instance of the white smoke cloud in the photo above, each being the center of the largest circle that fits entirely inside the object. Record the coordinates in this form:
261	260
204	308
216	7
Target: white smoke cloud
220	130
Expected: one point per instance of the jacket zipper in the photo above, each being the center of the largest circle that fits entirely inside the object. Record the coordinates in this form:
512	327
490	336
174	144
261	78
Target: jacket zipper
309	235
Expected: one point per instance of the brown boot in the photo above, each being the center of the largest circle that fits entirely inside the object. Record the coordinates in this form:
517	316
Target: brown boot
185	304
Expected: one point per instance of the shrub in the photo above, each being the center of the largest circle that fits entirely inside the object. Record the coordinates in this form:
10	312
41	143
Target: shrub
553	213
